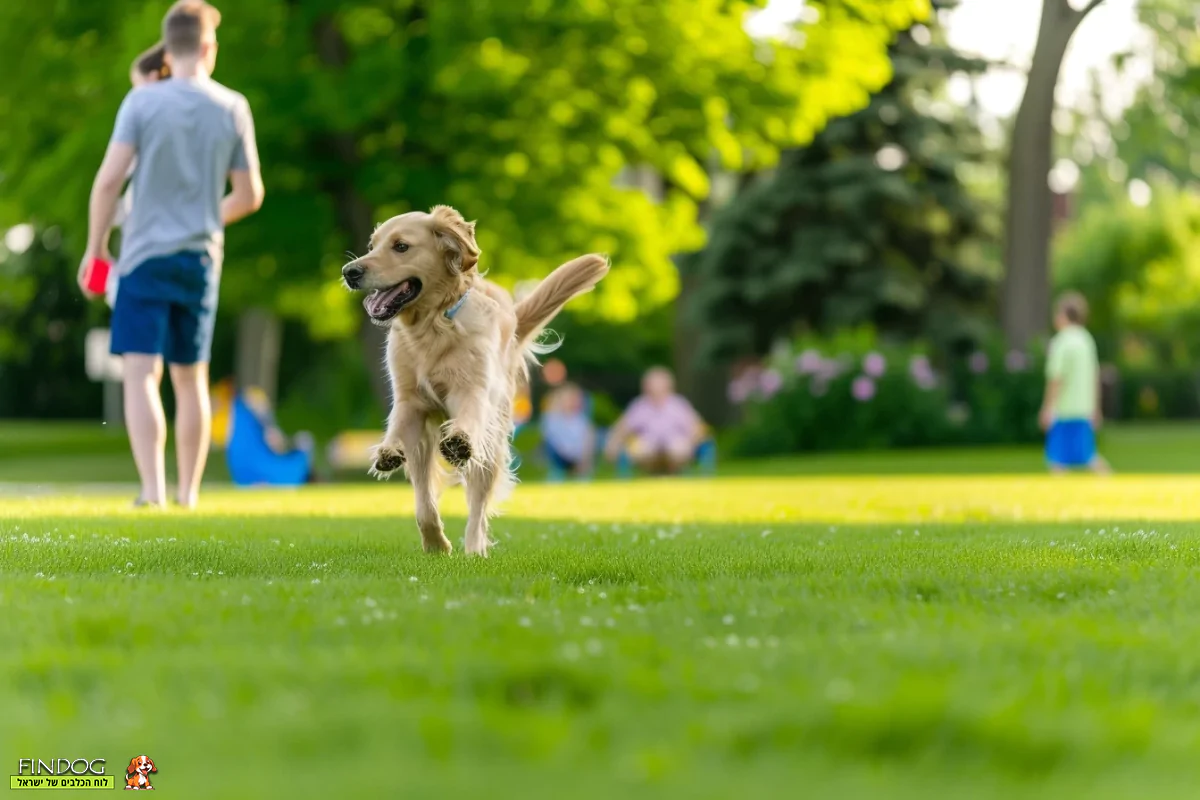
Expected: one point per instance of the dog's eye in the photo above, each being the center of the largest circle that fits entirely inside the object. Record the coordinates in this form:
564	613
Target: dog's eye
400	247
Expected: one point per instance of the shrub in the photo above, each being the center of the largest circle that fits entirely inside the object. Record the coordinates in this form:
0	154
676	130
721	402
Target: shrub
848	393
1158	394
998	392
853	393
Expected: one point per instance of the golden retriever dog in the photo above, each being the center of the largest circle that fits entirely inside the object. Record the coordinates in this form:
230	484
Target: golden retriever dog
458	347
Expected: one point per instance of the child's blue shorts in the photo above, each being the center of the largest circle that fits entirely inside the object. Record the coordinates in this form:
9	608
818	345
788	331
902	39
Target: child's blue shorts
1070	443
167	307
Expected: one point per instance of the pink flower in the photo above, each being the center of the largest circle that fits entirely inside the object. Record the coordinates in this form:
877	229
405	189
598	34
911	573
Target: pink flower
769	383
863	388
808	362
1016	361
874	365
978	362
921	372
739	390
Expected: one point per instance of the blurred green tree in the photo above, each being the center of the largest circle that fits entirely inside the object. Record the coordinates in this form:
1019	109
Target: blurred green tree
1160	130
1139	267
521	114
41	344
871	223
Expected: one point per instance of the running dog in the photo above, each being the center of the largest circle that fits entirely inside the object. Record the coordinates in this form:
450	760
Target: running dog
458	348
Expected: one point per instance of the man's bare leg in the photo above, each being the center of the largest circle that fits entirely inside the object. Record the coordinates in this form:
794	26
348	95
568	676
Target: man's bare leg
146	424
193	428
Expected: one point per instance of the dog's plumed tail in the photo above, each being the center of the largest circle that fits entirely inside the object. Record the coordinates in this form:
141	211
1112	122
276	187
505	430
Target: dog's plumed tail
539	306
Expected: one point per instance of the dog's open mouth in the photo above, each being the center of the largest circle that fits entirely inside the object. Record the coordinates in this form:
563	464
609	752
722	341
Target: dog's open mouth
383	304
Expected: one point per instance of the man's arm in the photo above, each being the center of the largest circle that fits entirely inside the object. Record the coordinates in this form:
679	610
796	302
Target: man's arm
106	191
245	174
245	197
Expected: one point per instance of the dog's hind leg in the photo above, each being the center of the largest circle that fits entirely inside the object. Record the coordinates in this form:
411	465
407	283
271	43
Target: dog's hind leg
480	479
487	484
419	441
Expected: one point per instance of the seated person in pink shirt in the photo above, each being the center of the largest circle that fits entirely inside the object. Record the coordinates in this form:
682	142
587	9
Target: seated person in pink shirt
660	430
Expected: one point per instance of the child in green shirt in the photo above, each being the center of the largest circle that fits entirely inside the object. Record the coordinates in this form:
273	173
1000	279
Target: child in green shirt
1071	410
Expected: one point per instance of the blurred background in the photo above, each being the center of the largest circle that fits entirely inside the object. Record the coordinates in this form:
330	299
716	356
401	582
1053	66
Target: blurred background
840	223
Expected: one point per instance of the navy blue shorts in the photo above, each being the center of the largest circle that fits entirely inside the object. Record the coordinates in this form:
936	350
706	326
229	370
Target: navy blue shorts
1070	443
166	307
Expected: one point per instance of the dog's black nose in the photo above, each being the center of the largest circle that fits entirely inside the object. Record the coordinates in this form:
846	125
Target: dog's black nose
352	273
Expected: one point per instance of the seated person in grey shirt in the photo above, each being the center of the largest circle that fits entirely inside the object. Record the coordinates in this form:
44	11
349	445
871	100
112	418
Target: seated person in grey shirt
189	135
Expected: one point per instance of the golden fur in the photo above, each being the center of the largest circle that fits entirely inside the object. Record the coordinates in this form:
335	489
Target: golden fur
454	379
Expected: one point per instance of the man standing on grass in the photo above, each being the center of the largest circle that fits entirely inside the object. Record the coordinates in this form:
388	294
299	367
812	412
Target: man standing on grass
1070	412
189	136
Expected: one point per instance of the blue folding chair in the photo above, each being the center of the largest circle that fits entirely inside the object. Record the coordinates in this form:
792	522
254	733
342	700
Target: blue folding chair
251	460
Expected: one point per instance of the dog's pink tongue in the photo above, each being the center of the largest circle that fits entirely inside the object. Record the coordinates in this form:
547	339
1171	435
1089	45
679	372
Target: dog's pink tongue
378	302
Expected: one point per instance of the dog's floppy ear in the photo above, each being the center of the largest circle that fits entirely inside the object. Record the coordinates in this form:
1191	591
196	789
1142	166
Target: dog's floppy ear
132	768
455	238
150	761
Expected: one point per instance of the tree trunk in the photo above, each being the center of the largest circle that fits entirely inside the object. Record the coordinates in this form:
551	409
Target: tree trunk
259	341
703	384
1026	298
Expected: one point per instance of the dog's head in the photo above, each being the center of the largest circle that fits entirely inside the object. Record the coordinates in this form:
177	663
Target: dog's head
416	261
140	765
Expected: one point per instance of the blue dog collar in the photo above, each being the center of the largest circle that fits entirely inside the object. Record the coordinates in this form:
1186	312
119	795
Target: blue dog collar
453	310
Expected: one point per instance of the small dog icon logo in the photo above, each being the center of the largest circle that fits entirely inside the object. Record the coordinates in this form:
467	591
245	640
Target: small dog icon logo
137	774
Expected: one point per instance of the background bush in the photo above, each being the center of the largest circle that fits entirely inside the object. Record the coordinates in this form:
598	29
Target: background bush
852	392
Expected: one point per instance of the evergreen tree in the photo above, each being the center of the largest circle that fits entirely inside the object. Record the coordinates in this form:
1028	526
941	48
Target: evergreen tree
870	224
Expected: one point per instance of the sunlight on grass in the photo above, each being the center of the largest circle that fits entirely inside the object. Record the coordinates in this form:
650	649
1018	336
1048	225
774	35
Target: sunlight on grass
721	647
857	499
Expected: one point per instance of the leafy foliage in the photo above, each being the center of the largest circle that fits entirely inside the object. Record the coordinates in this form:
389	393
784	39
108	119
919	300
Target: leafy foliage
1161	128
521	114
870	223
1140	269
42	317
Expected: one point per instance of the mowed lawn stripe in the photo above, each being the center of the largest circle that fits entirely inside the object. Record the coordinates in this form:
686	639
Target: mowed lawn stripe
839	500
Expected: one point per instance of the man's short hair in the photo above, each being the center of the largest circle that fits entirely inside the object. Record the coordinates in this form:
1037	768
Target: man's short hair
1074	307
186	24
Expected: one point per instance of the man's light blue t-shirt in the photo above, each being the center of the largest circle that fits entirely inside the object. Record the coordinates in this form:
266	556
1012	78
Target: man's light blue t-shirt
188	135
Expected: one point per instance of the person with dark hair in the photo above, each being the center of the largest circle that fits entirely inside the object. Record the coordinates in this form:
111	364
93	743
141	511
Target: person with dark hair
1071	411
149	67
189	135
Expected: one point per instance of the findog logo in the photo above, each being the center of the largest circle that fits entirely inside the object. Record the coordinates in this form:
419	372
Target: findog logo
61	773
137	774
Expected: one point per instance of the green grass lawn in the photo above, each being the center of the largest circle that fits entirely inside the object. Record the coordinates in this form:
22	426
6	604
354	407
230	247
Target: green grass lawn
907	636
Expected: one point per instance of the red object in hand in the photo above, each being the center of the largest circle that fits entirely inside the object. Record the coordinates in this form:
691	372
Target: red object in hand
97	277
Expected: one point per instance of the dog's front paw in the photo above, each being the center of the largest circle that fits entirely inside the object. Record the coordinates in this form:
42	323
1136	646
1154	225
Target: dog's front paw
456	449
386	461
